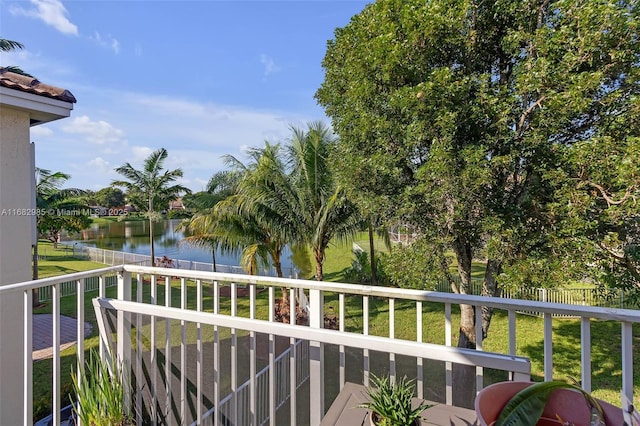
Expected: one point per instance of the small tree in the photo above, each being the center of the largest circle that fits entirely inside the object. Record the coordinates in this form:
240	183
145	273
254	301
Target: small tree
59	209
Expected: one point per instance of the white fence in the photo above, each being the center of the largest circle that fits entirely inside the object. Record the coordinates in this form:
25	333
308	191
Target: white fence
113	258
585	296
131	306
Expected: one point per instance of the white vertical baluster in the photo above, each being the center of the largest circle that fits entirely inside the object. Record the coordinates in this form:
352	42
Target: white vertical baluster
252	357
167	349
139	346
216	352
342	352
392	335
627	360
55	299
183	352
199	360
479	370
365	331
585	356
123	332
448	365
153	354
548	346
80	327
316	357
234	356
292	358
419	366
272	350
28	357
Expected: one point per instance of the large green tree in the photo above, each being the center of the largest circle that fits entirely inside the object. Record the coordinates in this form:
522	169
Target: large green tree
151	188
466	119
110	197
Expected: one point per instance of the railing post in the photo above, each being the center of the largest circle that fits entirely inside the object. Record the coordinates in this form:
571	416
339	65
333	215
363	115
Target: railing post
316	358
123	349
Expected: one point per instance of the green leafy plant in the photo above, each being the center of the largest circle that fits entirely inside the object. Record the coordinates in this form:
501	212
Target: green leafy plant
100	393
391	404
528	405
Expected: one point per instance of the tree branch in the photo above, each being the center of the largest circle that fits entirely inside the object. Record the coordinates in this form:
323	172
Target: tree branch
610	201
526	113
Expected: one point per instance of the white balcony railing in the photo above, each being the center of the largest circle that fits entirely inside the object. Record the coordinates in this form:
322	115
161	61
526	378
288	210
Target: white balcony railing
195	350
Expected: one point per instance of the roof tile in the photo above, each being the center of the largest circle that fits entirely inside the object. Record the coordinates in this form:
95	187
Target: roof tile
32	85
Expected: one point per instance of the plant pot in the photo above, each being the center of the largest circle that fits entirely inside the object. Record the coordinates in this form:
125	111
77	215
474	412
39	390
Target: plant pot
376	422
568	404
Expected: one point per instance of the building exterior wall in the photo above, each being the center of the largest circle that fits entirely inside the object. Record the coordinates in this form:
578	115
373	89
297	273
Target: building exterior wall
15	255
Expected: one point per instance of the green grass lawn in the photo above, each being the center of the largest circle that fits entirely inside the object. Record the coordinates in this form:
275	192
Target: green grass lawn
606	341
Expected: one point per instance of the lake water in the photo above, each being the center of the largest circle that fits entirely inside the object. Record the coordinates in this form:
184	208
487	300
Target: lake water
133	237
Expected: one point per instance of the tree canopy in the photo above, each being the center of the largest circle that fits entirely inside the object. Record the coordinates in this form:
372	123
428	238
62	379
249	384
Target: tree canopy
506	130
58	209
109	197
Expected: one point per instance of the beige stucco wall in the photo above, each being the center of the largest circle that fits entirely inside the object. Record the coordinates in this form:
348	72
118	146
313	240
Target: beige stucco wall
15	254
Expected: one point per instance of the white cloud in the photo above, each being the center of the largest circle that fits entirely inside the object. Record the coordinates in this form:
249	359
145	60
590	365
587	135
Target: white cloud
99	164
107	42
195	133
140	153
269	64
201	182
51	12
41	132
97	132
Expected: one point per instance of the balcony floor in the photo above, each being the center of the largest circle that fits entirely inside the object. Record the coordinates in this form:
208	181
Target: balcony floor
343	411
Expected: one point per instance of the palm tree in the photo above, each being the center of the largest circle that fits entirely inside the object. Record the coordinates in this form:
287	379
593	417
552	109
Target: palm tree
326	210
151	187
9	46
295	189
203	226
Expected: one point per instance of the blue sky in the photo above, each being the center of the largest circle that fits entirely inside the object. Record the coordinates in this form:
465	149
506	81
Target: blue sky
199	78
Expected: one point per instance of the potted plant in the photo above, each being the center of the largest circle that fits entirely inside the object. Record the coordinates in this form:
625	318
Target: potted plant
391	404
100	393
543	403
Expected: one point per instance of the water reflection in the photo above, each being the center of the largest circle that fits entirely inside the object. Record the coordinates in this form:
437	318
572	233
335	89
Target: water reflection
133	237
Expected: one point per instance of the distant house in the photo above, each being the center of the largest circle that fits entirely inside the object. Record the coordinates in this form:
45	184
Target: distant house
176	204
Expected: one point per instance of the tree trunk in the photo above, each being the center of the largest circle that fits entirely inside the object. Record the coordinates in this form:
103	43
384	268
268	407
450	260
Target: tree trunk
278	265
490	288
319	256
374	275
150	213
464	376
213	257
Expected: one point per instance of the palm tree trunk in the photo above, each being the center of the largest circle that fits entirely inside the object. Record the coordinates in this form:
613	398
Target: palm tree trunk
319	256
153	252
374	278
213	257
